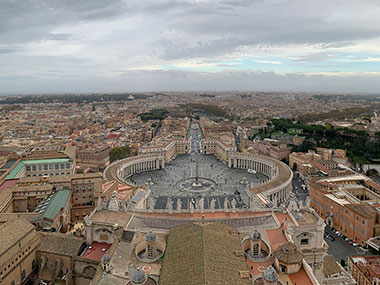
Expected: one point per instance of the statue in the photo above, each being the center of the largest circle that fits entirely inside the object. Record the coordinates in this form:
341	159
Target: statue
99	203
170	205
201	204
226	203
179	205
191	206
307	202
212	205
233	204
113	204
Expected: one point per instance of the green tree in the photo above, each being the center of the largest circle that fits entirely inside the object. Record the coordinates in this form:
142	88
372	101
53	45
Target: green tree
118	153
343	262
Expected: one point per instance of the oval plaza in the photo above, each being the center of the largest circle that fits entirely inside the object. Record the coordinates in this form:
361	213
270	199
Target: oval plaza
196	173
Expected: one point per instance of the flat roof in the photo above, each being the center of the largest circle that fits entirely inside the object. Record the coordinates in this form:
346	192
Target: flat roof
337	200
96	251
53	160
19	166
305	218
345	178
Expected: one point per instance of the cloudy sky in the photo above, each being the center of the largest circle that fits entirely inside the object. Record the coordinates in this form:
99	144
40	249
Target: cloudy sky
150	45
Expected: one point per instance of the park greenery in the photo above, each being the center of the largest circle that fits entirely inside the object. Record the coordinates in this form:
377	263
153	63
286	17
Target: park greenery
118	153
11	108
337	114
154	114
210	110
360	146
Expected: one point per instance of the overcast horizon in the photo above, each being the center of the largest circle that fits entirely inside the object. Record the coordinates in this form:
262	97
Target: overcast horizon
77	46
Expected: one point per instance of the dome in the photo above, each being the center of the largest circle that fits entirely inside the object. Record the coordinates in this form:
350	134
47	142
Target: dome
106	258
270	274
255	236
288	253
138	276
150	237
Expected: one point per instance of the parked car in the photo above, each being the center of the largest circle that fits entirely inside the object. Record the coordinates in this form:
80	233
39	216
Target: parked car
351	242
347	239
355	244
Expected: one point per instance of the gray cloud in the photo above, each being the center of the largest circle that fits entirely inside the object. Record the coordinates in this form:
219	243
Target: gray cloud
90	39
177	80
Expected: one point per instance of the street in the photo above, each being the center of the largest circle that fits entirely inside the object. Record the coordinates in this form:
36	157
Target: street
301	193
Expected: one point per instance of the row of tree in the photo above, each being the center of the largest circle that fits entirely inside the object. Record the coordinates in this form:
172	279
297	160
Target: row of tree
119	152
154	114
360	146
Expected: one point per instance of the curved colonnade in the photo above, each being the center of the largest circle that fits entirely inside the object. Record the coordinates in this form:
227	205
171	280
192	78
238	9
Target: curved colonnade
280	175
125	168
276	189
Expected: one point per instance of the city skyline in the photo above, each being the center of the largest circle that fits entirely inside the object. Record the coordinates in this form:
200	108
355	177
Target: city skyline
117	46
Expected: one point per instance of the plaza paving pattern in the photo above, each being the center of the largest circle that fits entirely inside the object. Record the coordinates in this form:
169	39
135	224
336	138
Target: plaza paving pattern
230	183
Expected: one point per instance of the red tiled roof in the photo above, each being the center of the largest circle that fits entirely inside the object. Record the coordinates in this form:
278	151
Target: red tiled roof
96	251
7	183
300	278
276	238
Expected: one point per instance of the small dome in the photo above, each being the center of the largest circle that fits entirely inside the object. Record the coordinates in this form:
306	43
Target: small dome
270	274
255	236
106	258
150	237
138	276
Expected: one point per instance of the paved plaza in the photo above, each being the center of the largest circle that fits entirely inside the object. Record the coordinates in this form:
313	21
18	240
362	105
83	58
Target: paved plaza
227	183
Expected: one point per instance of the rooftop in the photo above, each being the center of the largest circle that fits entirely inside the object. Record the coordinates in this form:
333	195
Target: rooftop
305	218
330	266
61	244
13	231
203	254
50	207
365	210
96	251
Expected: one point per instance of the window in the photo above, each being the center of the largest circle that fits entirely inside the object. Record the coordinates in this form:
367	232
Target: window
56	166
89	187
51	166
67	165
46	167
23	275
304	241
34	168
283	268
28	168
62	166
